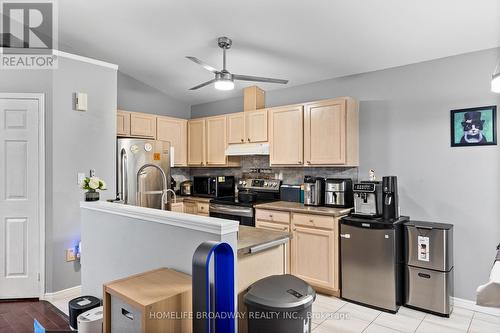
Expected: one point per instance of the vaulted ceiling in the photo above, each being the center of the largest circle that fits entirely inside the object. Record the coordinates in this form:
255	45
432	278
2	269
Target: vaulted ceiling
303	41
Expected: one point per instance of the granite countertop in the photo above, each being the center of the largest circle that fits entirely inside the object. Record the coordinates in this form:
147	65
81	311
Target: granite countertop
252	240
298	207
182	198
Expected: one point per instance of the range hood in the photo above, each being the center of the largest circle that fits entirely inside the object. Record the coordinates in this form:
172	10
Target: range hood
248	149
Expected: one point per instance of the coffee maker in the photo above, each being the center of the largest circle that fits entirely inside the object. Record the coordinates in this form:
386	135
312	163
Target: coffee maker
391	200
338	192
314	191
368	199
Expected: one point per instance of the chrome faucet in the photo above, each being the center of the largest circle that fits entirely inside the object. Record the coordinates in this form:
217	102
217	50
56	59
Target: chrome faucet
173	192
164	190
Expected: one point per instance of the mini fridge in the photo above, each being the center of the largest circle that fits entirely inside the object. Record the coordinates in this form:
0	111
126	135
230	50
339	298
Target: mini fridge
429	267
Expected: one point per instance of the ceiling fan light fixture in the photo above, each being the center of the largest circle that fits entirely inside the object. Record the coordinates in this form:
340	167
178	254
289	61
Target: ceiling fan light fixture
495	83
223	84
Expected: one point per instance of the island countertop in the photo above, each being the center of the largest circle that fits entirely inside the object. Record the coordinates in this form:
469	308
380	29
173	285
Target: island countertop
253	240
298	207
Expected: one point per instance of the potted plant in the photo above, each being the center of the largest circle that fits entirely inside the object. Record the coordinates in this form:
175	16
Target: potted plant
93	185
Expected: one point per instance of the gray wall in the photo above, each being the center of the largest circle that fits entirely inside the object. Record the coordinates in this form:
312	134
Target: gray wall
405	131
74	142
135	95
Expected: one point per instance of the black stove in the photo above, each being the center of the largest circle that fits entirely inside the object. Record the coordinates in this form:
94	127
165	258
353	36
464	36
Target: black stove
231	208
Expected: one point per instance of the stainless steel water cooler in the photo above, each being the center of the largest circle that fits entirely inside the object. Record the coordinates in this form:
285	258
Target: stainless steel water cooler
429	267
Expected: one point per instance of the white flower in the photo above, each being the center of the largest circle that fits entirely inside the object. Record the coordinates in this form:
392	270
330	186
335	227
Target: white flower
94	183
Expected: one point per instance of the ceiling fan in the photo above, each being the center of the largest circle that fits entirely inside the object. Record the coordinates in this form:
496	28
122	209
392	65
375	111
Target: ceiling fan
224	80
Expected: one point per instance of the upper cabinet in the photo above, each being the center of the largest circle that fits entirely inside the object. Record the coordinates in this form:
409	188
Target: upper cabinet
331	132
286	135
216	140
122	123
196	142
236	127
174	130
256	126
247	127
143	125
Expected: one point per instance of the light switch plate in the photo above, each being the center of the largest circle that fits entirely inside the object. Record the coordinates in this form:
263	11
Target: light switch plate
81	102
80	178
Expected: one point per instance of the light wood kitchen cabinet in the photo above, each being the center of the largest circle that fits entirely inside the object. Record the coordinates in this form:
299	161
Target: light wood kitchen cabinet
256	126
174	130
216	141
314	250
331	132
236	127
196	142
142	125
122	123
202	208
286	135
190	207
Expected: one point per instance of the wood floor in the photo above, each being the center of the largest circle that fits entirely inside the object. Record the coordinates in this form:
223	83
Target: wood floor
18	316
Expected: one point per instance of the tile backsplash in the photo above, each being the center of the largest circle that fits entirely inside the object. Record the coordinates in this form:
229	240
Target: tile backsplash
290	175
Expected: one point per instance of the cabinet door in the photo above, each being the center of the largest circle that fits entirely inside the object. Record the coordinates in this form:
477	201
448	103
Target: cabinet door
196	142
190	207
216	140
313	256
325	133
143	125
122	123
256	126
236	128
174	131
286	136
202	208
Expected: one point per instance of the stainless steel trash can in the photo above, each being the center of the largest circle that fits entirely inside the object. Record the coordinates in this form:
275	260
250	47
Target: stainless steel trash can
280	304
429	267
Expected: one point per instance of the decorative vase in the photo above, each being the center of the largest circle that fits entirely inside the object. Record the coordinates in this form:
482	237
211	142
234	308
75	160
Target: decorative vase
91	195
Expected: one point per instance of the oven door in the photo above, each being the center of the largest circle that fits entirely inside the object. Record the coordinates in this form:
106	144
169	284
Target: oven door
244	215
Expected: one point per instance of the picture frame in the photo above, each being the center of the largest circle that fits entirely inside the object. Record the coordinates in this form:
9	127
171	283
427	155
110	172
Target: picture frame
474	126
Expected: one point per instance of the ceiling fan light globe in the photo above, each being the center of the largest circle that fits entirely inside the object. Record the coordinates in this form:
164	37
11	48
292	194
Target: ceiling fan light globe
495	83
224	85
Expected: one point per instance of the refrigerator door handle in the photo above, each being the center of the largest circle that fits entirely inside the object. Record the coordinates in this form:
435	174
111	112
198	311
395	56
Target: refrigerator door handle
345	236
124	175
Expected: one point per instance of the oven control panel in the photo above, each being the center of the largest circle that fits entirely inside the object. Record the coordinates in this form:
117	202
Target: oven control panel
260	184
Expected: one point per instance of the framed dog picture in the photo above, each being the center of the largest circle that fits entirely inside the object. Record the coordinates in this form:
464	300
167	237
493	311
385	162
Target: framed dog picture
474	127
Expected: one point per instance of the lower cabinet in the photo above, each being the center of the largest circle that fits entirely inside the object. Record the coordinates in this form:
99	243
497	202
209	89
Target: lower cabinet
190	207
314	257
196	207
313	253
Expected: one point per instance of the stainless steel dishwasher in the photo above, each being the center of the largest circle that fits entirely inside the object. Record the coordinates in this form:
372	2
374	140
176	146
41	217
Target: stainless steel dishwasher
372	262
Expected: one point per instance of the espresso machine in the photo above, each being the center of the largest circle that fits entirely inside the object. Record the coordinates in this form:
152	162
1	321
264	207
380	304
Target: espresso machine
368	199
338	193
314	191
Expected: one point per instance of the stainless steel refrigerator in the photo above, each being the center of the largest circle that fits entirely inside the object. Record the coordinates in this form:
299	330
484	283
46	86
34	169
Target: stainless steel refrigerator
143	172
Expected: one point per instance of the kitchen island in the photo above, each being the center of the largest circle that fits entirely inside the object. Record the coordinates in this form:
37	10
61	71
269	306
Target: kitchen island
120	240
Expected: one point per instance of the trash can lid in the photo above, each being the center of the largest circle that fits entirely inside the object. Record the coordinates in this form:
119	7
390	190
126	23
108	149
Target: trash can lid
426	224
84	302
285	292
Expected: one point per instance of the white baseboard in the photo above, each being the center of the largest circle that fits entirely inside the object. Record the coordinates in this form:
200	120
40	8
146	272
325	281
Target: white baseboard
63	294
471	305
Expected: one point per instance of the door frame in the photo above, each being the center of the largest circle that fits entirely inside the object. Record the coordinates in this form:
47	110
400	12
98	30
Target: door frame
40	97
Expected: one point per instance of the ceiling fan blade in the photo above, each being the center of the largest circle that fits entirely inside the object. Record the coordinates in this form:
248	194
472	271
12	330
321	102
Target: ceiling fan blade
258	79
203	84
204	65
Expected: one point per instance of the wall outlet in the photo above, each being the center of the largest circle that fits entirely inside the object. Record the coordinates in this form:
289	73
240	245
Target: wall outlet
70	254
80	178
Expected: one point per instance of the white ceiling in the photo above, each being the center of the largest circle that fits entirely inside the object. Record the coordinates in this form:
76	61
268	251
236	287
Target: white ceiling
303	41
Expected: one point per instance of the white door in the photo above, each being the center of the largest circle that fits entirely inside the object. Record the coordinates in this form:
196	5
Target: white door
19	197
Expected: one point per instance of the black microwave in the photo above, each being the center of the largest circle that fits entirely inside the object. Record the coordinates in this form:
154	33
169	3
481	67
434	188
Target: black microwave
220	186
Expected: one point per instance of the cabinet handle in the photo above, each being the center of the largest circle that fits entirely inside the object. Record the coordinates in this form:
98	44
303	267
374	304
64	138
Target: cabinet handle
270	215
308	162
248	139
299	162
294	229
242	140
311	220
